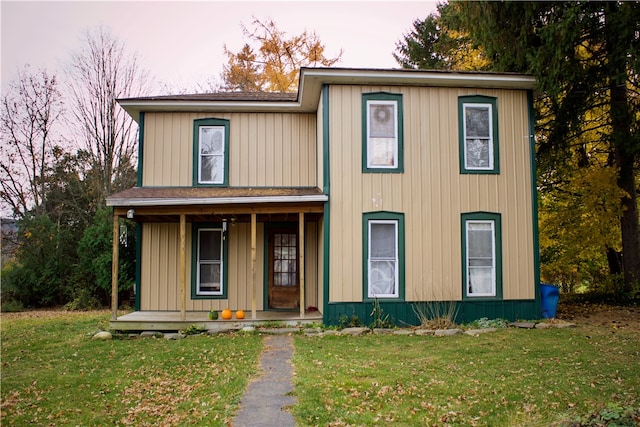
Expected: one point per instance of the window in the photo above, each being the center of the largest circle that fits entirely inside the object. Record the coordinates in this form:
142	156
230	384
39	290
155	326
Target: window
478	135
482	255
383	247
382	132
211	148
209	271
285	259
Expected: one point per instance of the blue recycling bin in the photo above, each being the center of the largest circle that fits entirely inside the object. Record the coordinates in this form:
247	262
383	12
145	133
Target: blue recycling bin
549	295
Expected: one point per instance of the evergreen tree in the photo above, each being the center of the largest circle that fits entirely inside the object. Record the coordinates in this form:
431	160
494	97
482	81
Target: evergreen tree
433	44
584	56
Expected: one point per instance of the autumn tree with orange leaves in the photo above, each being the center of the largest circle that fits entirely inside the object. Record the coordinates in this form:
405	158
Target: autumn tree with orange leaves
271	59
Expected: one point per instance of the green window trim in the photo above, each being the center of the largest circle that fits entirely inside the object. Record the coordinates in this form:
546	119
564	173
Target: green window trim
213	127
140	148
495	219
195	261
466	103
384	217
387	104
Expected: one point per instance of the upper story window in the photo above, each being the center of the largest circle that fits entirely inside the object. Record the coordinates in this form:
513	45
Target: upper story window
211	152
478	122
382	133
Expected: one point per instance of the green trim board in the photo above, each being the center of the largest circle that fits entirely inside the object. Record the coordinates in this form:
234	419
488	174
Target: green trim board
382	217
402	313
494	141
386	102
195	228
140	148
534	197
326	237
138	284
496	220
213	123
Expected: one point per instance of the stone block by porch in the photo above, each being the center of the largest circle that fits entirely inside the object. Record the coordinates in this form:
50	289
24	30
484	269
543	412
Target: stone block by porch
172	320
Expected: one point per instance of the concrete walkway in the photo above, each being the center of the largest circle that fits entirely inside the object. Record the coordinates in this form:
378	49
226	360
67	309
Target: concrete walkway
266	397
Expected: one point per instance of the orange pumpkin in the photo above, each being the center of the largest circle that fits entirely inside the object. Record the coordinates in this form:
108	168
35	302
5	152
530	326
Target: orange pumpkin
240	314
226	314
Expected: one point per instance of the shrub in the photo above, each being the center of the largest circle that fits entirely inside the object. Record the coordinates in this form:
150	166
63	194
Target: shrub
436	314
11	306
349	322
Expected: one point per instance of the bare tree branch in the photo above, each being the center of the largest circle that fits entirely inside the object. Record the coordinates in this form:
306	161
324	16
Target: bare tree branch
99	74
30	111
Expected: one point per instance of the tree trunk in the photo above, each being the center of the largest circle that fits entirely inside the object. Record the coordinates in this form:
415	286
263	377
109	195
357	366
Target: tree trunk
623	142
629	219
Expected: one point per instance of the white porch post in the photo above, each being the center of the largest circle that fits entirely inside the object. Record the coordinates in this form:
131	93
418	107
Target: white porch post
183	267
253	265
114	266
301	261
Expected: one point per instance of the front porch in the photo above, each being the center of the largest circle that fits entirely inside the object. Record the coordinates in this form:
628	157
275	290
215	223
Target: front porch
174	320
259	252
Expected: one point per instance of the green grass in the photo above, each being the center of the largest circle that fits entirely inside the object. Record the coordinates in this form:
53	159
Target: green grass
54	374
506	378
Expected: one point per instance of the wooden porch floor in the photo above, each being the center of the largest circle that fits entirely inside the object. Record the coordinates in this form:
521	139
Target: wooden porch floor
171	320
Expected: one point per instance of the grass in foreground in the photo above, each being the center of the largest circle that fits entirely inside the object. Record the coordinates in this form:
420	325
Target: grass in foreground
54	374
507	378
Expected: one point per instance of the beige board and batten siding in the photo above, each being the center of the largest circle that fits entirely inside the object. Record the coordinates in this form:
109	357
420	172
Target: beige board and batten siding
431	192
265	149
160	276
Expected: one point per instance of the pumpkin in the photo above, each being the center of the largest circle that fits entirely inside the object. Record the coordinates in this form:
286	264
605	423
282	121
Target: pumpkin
213	315
226	314
240	314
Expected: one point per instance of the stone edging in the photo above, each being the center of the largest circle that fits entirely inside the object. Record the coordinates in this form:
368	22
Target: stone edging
319	332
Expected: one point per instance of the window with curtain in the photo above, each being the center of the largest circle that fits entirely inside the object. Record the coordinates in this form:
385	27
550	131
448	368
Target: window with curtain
478	123
481	259
211	159
210	271
382	133
478	145
481	255
383	259
210	152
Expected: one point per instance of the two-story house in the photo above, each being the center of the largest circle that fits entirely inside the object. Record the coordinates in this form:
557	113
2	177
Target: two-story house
399	186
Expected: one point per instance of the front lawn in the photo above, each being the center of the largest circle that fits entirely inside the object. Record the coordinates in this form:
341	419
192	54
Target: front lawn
54	374
512	377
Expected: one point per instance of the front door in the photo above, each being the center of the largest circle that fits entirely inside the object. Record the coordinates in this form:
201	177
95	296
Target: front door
284	284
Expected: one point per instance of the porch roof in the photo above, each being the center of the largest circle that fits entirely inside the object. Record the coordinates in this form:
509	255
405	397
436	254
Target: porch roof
190	196
199	204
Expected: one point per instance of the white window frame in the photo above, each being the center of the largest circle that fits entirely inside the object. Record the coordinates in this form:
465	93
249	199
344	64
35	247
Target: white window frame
219	262
395	260
221	155
490	139
371	141
468	266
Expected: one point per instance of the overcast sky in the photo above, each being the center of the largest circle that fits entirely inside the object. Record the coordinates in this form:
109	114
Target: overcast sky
181	43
